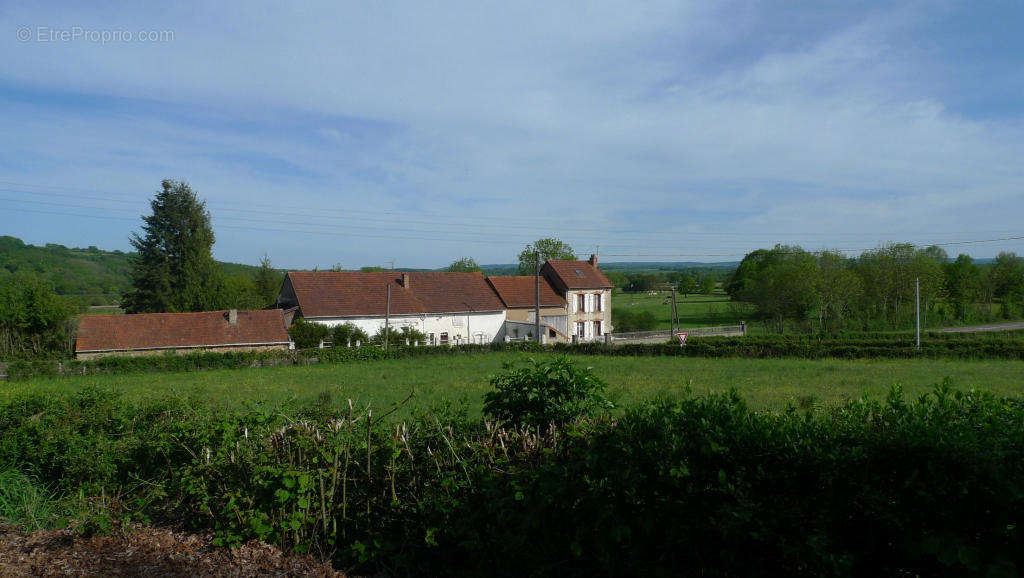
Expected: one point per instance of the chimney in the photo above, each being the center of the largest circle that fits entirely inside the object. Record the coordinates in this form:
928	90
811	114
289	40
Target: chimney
593	260
233	316
405	280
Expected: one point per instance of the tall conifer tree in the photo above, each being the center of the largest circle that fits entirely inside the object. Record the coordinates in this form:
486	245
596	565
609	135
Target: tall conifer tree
268	282
173	269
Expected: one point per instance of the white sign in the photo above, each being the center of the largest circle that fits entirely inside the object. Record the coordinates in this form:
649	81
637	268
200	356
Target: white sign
682	337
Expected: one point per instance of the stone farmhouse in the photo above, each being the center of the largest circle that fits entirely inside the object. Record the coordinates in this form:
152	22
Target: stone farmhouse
160	333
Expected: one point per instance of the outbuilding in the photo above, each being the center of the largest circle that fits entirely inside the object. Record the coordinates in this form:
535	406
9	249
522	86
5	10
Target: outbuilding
160	333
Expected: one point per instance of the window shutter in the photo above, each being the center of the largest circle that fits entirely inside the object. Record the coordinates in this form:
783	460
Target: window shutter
572	304
600	297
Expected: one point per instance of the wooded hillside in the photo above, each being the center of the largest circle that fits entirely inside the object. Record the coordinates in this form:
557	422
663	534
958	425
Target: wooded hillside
94	276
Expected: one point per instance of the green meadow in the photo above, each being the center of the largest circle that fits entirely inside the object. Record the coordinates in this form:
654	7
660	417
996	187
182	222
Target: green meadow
694	310
763	383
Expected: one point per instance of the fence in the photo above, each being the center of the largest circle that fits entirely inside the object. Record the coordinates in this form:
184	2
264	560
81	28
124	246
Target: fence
665	335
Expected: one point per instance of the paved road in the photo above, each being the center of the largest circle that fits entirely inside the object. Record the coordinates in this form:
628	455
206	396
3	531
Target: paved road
976	328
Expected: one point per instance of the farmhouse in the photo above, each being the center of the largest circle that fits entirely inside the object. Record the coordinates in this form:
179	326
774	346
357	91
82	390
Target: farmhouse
587	293
519	295
450	308
158	333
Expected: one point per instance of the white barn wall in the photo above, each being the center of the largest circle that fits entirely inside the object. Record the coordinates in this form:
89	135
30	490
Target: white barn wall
483	327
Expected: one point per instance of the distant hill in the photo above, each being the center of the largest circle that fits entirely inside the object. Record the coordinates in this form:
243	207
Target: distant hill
627	267
95	276
99	277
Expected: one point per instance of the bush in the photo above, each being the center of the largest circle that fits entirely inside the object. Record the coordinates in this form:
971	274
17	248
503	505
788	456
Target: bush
547	393
347	334
308	334
399	336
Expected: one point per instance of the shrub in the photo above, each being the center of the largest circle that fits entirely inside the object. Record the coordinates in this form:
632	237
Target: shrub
308	334
699	486
348	334
547	393
399	336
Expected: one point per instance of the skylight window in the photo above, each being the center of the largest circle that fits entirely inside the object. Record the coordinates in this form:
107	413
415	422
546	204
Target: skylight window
580	273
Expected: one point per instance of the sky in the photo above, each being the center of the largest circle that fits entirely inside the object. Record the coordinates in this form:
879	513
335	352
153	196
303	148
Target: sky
412	134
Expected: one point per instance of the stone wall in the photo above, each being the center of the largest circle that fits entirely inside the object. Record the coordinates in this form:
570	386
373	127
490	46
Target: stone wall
180	351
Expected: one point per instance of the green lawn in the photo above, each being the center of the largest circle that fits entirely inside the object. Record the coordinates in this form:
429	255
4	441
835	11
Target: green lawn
763	383
694	310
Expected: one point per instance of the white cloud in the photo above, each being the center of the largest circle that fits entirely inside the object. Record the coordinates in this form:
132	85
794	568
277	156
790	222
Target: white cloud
670	120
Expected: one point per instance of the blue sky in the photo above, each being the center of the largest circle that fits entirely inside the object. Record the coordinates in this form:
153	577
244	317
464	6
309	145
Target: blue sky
358	133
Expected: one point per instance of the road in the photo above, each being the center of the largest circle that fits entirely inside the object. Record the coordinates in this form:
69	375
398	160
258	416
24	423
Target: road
1018	325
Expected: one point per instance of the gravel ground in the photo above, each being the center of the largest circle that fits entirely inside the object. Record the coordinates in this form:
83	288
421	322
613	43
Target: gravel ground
982	328
144	551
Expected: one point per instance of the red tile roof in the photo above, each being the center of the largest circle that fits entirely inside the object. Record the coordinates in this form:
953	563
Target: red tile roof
174	330
578	275
348	294
520	291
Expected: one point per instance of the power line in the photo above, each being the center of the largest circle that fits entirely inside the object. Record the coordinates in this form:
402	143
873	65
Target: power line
468	236
279	230
275	208
472	223
463	236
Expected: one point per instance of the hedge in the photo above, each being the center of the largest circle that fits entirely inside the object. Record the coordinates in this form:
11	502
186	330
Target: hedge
854	346
697	487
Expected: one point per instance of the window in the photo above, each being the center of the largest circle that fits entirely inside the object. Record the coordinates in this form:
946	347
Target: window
581	329
597	302
444	338
597	329
581	302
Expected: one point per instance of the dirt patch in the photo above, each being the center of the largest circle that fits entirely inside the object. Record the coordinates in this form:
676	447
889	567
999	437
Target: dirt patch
144	551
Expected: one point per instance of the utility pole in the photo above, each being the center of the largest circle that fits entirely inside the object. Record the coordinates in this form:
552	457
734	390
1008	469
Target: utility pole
917	309
675	312
536	294
387	317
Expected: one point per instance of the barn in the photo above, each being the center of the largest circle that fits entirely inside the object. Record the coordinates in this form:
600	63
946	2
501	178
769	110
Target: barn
161	333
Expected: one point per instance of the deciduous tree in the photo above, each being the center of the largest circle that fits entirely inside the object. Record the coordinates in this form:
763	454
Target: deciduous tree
464	265
548	248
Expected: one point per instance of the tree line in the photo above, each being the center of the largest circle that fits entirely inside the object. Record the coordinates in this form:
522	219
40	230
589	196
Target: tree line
173	270
829	292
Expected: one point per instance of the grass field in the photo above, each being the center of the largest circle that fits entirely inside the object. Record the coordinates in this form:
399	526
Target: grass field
694	310
771	383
